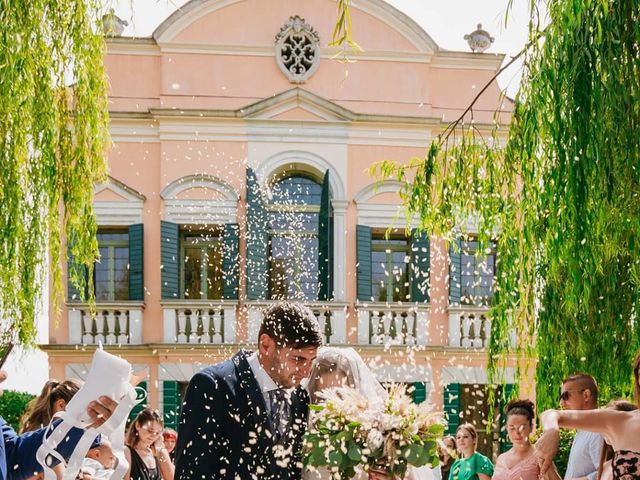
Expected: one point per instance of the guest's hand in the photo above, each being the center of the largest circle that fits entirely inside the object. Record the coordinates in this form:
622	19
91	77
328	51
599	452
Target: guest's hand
546	449
101	410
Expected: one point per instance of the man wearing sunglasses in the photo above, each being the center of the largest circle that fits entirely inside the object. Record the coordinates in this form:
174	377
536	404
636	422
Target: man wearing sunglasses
580	392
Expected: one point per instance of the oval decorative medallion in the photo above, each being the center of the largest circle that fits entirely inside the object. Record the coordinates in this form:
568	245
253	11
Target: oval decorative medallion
297	50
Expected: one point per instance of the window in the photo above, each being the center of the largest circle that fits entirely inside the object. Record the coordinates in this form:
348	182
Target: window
478	270
390	268
293	238
201	260
111	272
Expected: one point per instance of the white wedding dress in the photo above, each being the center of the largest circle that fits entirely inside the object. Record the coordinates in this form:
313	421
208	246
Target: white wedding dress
365	382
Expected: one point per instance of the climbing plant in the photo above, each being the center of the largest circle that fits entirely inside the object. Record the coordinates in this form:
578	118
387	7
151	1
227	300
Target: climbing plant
53	138
561	196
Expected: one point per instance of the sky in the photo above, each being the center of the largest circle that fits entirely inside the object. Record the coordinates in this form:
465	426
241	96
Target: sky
445	21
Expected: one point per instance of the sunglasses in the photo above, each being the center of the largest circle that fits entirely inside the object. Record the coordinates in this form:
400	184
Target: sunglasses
564	396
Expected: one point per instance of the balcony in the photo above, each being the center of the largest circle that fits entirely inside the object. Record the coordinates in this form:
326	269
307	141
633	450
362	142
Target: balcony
199	321
332	317
115	323
385	324
469	327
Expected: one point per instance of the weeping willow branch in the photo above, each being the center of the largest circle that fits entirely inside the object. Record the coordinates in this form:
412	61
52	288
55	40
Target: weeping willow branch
53	139
561	199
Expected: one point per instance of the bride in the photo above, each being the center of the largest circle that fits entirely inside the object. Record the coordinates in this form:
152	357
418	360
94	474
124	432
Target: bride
343	367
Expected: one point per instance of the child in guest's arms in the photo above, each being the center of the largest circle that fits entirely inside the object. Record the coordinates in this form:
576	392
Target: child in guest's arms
99	462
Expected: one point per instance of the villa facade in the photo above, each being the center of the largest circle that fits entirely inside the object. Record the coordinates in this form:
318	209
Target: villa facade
238	176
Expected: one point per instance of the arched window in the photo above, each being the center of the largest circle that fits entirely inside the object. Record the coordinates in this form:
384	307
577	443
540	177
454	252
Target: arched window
294	215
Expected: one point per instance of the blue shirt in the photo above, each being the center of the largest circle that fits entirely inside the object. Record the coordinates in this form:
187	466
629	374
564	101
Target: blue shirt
18	452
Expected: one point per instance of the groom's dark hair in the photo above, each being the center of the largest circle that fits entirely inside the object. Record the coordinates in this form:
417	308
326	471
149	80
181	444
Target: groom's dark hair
291	324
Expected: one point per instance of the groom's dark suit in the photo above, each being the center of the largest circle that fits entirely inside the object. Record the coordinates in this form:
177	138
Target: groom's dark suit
225	432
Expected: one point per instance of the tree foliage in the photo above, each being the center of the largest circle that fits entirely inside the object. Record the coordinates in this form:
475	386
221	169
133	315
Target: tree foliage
53	139
563	194
13	405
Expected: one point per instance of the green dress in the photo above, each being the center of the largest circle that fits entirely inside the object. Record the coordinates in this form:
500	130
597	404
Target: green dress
468	468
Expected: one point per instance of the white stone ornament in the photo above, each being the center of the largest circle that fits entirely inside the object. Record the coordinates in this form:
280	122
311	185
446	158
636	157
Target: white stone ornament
109	376
297	50
479	40
112	25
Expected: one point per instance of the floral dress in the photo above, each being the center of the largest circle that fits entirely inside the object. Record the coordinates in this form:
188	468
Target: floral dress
469	468
626	465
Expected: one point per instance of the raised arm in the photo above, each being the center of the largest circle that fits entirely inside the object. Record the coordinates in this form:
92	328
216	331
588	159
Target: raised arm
599	421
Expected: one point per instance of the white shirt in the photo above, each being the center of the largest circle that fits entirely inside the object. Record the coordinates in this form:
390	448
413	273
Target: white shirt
265	382
584	457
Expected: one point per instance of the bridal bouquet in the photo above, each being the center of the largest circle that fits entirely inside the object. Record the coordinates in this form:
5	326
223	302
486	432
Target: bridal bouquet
348	433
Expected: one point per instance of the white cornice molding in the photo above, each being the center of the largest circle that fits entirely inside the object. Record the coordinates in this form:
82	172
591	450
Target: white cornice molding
201	128
132	46
373	189
133	127
383	216
199	181
118	212
326	53
200	212
467	60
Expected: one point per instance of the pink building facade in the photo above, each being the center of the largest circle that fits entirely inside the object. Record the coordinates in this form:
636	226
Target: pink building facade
238	176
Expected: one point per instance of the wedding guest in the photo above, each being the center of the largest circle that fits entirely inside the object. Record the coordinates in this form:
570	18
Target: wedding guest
148	458
520	461
580	392
621	429
446	452
604	469
472	464
52	399
18	452
169	438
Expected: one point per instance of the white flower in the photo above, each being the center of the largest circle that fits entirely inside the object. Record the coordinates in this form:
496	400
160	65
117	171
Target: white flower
374	439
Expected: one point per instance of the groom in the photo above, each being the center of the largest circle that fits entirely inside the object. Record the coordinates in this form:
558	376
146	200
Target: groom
244	418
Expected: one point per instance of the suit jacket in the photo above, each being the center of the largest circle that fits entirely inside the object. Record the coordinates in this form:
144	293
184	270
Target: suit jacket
18	452
225	432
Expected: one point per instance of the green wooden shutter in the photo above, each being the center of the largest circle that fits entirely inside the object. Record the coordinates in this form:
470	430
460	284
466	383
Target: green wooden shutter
505	395
455	270
452	407
230	261
73	293
325	234
136	262
171	403
420	266
138	407
257	240
363	247
419	392
170	258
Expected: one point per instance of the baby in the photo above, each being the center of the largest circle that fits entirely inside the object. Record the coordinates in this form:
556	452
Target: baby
100	461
